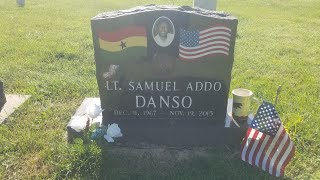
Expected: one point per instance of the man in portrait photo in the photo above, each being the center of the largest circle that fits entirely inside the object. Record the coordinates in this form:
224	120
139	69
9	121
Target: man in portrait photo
163	32
164	48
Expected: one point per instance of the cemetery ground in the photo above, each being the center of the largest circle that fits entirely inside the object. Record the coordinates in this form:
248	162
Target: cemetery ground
46	51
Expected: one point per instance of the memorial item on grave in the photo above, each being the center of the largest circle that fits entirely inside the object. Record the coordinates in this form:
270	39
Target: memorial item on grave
2	96
93	111
107	132
113	131
78	123
266	144
164	69
241	104
277	96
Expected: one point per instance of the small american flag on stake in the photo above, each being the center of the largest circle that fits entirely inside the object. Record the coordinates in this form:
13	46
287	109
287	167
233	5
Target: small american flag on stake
266	144
195	44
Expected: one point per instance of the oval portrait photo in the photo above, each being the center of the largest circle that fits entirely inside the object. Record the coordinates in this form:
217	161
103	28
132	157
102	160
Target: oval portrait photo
163	31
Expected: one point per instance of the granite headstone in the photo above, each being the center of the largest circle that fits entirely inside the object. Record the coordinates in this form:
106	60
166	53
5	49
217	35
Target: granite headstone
164	71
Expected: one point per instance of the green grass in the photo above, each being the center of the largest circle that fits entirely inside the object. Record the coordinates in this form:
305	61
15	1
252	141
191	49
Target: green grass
46	51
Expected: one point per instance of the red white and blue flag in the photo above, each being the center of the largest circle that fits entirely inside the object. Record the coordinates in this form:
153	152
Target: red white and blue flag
266	144
196	44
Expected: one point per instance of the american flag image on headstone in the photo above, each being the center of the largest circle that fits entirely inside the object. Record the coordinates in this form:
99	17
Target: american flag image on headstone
195	44
266	144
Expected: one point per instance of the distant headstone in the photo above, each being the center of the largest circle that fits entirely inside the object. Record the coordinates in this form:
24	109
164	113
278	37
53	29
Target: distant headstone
164	72
205	4
21	3
2	96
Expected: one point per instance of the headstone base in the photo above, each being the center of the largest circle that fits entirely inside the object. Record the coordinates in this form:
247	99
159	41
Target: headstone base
13	102
160	134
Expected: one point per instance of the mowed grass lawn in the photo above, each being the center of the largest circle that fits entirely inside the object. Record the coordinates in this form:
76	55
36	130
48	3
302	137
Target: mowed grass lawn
46	51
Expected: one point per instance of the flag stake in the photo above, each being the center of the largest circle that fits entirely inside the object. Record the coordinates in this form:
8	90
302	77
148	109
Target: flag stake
277	96
266	144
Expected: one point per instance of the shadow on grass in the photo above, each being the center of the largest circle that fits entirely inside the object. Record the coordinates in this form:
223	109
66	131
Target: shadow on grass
160	162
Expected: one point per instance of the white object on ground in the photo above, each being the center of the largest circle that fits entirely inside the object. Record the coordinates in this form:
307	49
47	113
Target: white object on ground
97	121
113	131
93	110
108	138
78	123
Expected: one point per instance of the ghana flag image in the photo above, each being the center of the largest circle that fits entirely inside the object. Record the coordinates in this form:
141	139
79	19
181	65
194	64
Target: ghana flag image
124	38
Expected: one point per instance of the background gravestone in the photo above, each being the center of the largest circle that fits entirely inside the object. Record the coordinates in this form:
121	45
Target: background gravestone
164	72
205	4
2	96
21	3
